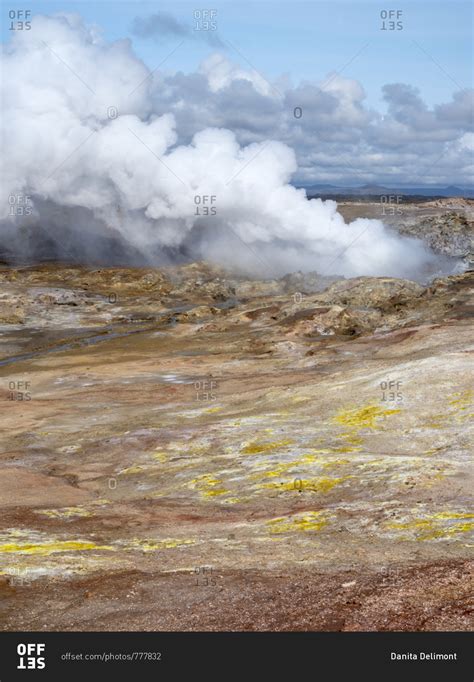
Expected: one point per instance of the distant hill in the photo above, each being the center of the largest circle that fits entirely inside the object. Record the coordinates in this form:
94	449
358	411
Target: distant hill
379	190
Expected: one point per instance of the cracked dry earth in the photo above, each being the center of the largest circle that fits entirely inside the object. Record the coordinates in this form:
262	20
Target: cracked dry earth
186	450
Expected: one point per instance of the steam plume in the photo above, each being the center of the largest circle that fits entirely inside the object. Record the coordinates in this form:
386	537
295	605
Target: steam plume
105	177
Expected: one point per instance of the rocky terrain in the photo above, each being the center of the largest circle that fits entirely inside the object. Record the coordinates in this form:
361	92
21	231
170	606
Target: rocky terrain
186	449
446	225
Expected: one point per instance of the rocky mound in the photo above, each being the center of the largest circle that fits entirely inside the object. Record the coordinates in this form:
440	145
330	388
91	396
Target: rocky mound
451	234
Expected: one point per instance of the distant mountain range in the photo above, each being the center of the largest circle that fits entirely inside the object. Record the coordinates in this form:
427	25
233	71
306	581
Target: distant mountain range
379	190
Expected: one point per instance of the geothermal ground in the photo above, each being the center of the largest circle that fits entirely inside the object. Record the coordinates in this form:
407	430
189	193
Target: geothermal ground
184	449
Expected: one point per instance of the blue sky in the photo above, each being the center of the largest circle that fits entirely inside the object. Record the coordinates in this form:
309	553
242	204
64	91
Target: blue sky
397	107
306	40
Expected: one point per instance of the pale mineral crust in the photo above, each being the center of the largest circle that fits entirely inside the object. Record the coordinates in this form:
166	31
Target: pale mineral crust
186	449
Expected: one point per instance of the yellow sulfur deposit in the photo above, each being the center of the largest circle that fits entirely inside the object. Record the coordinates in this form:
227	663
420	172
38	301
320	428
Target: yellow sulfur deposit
46	548
257	448
314	520
319	485
208	485
364	417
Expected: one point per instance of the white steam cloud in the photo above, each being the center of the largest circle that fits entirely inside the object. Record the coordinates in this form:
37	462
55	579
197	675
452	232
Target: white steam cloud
104	178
